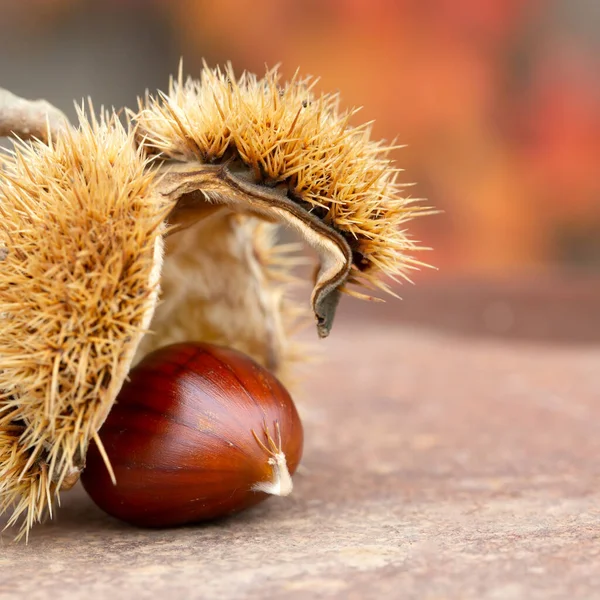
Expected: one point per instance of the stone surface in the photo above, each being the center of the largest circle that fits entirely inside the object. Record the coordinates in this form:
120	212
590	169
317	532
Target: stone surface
436	466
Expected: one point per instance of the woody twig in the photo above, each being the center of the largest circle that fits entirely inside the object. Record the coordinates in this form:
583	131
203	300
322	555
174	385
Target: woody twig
29	118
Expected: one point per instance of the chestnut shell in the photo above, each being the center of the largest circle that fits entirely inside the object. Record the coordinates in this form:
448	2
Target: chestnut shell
181	437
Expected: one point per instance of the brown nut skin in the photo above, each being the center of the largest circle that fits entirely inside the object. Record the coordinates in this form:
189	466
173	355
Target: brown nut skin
193	430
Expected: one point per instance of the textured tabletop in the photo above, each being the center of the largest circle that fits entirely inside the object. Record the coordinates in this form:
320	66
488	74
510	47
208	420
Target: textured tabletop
436	465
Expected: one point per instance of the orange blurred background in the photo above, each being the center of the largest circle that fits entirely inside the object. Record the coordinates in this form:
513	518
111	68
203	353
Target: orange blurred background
498	101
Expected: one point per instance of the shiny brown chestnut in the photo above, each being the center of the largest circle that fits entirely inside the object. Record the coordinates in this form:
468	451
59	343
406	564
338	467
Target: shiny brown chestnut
198	432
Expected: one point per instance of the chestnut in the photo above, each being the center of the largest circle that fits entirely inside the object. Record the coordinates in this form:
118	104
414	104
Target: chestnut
197	432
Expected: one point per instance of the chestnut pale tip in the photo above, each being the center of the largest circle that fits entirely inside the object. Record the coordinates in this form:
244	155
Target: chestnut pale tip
280	483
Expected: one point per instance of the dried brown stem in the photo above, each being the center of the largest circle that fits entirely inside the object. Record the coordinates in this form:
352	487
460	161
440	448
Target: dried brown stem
29	118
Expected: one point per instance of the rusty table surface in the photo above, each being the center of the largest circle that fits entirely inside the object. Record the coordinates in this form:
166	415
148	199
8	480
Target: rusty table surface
437	465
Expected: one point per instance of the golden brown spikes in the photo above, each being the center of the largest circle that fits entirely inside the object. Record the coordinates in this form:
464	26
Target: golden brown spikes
289	137
81	252
82	220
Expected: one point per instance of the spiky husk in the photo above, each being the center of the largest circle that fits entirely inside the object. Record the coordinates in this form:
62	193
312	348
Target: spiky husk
81	249
289	136
226	281
80	254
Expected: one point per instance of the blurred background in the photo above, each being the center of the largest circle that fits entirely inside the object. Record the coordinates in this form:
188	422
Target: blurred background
498	102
